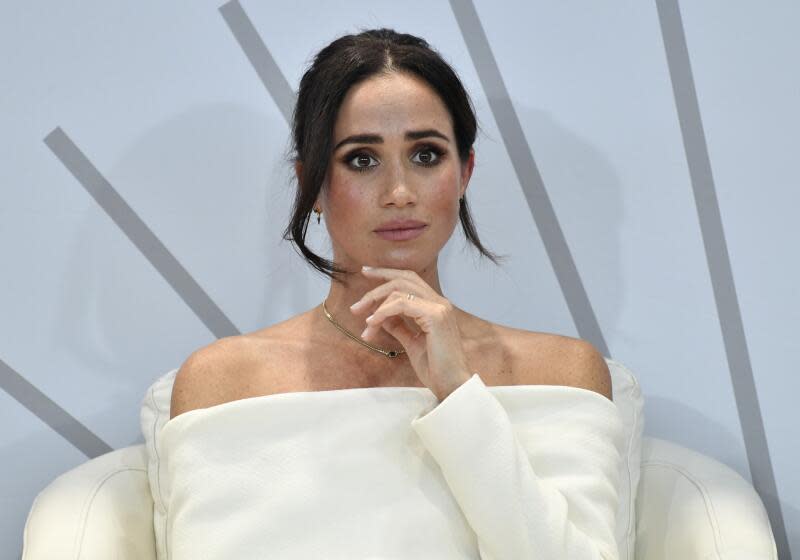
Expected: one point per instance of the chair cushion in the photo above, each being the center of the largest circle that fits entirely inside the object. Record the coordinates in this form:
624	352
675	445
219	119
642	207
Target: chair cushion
97	510
692	505
626	393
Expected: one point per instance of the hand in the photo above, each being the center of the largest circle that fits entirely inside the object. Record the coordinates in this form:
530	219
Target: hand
426	327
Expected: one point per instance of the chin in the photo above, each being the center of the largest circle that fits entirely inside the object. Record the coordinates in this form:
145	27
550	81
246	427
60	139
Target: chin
406	259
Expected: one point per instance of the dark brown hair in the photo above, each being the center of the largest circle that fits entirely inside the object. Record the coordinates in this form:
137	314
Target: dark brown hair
345	62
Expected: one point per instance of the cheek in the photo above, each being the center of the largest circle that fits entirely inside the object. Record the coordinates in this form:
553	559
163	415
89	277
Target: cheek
445	191
346	197
350	197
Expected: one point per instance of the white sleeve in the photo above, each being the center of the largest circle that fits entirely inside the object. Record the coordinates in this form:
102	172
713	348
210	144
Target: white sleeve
553	500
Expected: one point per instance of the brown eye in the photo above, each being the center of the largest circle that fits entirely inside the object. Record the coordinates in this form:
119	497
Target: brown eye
428	157
360	162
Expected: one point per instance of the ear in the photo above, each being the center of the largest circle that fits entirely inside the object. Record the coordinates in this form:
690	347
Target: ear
466	170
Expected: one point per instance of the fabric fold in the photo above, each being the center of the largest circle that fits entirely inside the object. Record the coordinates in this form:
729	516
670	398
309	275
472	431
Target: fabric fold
567	510
489	473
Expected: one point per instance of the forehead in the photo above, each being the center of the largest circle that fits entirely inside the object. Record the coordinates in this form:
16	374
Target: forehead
391	104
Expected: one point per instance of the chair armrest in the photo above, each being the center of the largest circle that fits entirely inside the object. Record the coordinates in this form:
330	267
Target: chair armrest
101	509
691	506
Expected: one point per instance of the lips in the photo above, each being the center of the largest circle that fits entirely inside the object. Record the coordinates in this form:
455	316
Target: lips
401	234
395	225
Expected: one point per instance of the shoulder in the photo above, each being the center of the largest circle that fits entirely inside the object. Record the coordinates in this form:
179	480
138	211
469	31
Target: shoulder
560	360
212	374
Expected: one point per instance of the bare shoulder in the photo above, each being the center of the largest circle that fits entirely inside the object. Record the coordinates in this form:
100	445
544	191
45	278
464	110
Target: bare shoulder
553	359
200	381
215	373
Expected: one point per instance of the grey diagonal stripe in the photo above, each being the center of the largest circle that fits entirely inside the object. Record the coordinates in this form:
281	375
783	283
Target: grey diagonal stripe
260	57
139	234
528	175
50	413
719	266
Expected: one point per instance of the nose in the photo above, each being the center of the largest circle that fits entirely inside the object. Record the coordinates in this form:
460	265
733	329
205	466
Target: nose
398	190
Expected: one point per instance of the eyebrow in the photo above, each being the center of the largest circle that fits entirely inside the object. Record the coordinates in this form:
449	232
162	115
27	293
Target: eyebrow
377	139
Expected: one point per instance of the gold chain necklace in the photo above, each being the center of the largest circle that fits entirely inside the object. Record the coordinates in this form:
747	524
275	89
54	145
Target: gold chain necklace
388	353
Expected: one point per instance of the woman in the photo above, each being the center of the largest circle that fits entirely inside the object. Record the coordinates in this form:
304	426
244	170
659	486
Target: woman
383	132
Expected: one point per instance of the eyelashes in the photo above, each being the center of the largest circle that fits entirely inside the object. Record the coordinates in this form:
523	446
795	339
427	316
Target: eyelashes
362	157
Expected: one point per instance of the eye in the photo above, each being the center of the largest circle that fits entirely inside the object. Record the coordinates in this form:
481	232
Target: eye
429	156
359	161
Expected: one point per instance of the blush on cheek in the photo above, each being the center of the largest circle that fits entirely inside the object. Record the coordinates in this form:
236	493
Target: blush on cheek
445	192
351	205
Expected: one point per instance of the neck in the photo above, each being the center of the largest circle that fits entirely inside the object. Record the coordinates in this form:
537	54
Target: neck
342	295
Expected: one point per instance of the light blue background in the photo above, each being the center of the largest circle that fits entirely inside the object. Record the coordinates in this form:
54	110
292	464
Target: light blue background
163	101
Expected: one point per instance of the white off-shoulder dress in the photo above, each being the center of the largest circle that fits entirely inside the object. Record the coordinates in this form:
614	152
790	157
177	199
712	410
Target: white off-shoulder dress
390	473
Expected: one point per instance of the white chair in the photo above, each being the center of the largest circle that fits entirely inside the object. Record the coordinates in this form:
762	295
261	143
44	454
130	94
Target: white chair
688	505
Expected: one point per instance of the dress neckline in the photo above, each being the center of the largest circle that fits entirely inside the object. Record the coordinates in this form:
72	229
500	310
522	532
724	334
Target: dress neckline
423	392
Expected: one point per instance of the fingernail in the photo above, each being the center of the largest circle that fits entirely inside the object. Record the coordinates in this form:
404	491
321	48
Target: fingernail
366	267
370	317
363	333
356	304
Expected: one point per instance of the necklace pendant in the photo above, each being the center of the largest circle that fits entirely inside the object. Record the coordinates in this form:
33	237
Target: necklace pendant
392	353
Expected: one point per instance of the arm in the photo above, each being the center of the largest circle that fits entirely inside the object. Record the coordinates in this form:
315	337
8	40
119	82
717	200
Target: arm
545	489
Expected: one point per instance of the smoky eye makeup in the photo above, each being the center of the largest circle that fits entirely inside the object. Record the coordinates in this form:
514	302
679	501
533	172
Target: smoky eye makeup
360	160
438	155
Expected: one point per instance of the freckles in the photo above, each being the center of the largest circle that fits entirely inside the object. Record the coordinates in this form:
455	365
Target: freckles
445	189
345	192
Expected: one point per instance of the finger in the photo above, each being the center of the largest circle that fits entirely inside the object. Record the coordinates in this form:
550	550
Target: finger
400	330
376	295
373	297
387	272
395	273
416	310
393	315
